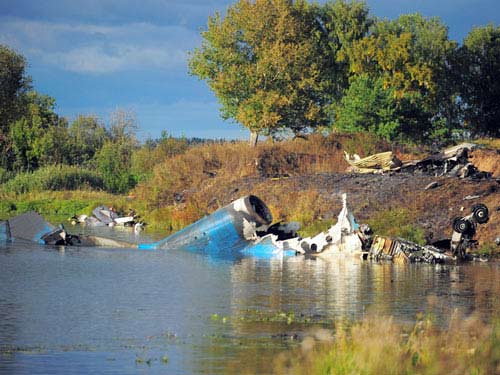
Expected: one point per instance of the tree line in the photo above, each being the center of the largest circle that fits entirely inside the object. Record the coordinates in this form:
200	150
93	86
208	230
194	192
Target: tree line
34	136
279	66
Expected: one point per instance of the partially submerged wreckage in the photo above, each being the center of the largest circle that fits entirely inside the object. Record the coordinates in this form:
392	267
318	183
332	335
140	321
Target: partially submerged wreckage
244	228
32	227
106	216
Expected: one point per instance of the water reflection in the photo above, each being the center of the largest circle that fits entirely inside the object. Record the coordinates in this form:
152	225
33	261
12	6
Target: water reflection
348	287
105	308
328	290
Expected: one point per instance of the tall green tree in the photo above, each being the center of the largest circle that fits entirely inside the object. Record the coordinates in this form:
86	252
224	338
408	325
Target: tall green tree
14	84
114	159
369	107
39	137
480	80
277	64
86	136
410	55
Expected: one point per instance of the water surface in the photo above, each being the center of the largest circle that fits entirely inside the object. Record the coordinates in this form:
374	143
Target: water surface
82	310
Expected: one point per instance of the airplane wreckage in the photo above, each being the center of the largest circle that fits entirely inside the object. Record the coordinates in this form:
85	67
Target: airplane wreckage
244	228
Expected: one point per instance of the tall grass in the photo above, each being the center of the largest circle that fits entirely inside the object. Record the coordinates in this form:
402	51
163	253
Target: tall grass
57	177
57	206
220	164
378	345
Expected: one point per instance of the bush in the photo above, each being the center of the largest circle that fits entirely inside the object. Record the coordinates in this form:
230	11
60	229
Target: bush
54	178
397	223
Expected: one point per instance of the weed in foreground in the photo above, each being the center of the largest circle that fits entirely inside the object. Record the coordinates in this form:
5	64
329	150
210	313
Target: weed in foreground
378	345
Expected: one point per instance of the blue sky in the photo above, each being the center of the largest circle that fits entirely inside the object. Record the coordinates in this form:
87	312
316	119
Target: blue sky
95	56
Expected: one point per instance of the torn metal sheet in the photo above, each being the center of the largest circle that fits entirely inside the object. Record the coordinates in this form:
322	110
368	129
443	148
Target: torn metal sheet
383	161
32	227
243	228
228	230
341	238
403	251
452	162
105	216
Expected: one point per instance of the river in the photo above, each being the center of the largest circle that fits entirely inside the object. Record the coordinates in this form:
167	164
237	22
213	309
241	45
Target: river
94	310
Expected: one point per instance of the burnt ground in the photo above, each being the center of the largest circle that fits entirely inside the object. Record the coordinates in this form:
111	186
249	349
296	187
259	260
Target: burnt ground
370	194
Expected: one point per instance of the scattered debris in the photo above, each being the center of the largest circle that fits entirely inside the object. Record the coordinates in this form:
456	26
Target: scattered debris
471	197
245	228
464	229
403	251
452	162
32	227
432	185
103	216
377	163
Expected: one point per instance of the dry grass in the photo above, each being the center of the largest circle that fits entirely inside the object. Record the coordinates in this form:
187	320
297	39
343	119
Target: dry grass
493	143
207	177
378	345
466	344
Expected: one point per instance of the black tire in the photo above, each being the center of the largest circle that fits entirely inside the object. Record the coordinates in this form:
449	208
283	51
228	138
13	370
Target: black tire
480	213
456	222
461	225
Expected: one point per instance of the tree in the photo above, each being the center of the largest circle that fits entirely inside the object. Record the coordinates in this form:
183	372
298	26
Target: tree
14	83
368	106
480	80
113	163
86	136
114	159
38	137
410	55
123	127
274	64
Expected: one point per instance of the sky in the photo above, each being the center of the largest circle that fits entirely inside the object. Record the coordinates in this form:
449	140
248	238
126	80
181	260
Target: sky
97	56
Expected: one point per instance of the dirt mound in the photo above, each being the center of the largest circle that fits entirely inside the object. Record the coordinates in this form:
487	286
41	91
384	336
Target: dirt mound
487	160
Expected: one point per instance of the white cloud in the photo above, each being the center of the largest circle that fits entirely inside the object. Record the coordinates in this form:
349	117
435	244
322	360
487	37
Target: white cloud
100	49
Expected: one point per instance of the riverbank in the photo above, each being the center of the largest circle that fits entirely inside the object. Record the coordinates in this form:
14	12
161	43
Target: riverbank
300	180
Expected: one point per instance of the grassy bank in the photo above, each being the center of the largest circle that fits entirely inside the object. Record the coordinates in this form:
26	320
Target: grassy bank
292	177
58	206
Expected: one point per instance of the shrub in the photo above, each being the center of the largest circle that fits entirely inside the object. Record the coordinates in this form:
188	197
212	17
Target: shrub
397	223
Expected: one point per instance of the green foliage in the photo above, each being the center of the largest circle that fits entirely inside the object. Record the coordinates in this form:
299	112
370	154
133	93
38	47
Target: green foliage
397	223
113	165
273	63
480	80
14	83
54	178
367	106
410	56
5	175
86	136
39	136
113	160
316	227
